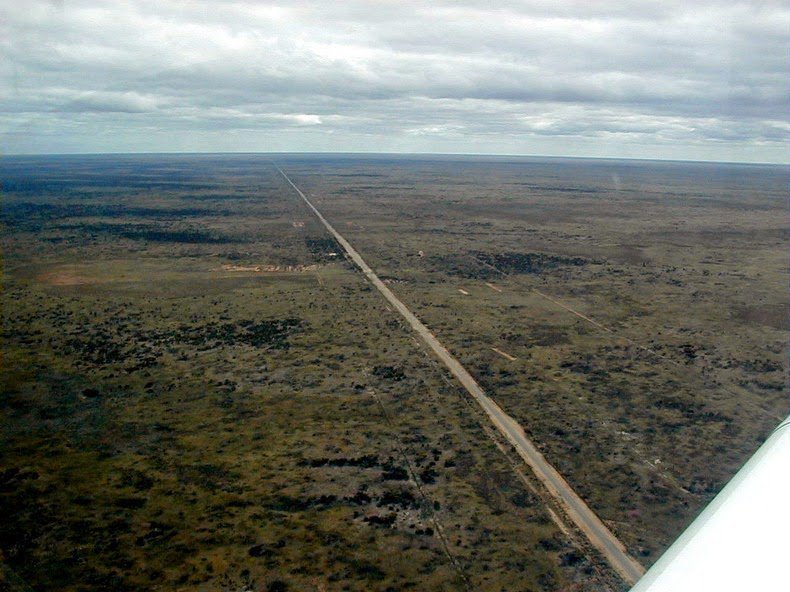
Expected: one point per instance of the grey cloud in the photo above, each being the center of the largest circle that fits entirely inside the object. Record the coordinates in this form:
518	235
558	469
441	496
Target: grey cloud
610	77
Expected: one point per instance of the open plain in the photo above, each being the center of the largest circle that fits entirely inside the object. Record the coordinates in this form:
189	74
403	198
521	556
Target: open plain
200	391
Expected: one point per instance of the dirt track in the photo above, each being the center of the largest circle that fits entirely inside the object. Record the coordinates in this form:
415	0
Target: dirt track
574	507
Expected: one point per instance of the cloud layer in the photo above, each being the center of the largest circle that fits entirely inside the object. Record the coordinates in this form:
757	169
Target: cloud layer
698	80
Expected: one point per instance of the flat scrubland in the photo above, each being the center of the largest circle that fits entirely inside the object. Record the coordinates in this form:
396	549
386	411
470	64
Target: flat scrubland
200	393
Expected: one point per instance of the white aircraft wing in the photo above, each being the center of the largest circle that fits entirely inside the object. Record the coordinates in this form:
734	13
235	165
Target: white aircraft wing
741	540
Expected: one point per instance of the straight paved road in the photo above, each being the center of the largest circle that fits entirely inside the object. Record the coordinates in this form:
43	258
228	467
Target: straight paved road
578	511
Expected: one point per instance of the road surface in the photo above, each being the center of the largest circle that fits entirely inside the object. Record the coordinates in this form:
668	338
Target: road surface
573	505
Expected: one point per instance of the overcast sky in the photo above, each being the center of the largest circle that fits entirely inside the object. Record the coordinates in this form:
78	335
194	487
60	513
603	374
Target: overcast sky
672	79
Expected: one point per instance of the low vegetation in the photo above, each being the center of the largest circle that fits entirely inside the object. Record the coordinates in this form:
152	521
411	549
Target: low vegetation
198	391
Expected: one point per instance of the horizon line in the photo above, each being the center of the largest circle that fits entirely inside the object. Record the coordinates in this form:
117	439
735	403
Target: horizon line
372	153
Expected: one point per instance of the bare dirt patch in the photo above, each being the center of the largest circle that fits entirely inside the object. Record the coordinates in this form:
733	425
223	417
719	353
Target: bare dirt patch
267	268
64	278
505	355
